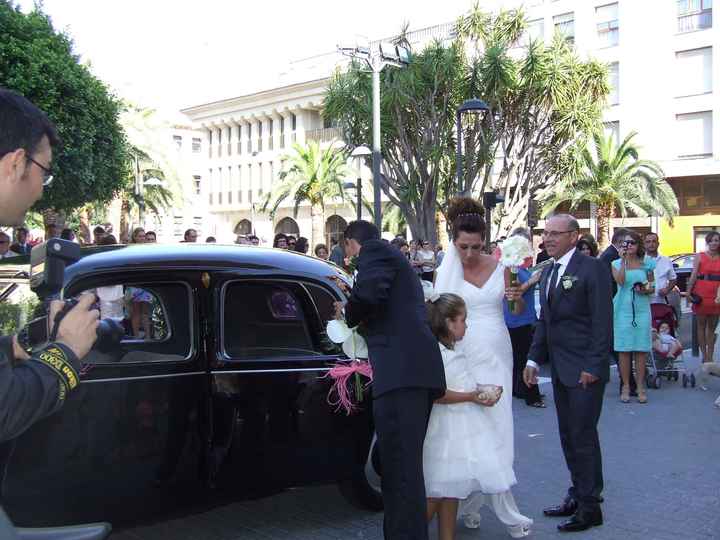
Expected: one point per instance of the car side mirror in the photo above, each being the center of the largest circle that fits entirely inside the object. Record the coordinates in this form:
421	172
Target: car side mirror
676	265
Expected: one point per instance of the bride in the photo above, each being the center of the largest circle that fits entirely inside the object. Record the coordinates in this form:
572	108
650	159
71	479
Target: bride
480	280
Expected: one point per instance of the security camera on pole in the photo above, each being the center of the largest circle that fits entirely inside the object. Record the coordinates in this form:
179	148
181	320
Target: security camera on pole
376	56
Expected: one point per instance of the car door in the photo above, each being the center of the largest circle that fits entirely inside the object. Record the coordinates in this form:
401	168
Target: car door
272	423
129	442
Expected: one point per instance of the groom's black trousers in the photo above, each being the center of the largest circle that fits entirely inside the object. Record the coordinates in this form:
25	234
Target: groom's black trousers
401	419
578	411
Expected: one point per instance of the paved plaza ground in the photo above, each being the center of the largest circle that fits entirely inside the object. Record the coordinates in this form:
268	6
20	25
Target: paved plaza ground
662	481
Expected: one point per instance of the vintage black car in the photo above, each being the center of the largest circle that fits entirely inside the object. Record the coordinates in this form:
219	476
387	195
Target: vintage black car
217	390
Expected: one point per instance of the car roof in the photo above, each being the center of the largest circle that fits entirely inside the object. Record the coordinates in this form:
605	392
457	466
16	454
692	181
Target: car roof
183	256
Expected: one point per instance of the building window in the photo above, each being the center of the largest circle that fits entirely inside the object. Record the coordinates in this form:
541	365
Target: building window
260	180
177	139
239	139
249	138
697	195
250	183
271	125
196	145
209	143
229	141
614	77
220	142
271	165
259	139
197	180
694	72
612	129
694	15
608	25
294	121
535	30
565	24
694	134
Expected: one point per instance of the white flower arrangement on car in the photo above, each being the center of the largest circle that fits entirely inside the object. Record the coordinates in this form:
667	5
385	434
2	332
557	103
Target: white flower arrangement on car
357	366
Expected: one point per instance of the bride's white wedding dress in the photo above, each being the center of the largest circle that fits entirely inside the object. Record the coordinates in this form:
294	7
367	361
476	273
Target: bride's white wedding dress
488	353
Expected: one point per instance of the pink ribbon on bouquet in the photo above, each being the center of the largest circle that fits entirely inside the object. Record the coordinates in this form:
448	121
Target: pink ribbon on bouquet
341	374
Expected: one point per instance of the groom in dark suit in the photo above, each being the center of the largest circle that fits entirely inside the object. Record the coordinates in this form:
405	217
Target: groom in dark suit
574	334
387	299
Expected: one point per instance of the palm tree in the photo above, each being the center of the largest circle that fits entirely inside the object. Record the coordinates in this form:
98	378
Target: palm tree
615	180
313	175
151	155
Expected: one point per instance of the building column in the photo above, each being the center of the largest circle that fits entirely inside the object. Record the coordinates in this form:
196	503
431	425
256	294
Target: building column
276	131
300	126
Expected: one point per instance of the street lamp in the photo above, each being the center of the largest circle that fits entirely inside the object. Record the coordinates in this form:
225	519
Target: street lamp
469	107
376	57
359	153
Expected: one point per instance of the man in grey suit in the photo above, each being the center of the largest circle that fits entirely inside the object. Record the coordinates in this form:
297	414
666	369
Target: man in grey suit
574	335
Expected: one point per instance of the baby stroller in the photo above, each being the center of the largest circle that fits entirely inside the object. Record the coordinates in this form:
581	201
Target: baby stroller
659	364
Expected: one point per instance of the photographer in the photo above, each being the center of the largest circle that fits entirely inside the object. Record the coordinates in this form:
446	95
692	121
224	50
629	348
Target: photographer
32	387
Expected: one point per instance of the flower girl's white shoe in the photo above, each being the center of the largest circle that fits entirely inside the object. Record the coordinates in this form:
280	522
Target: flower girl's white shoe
472	520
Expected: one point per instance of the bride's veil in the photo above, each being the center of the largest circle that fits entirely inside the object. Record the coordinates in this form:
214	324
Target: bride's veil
450	274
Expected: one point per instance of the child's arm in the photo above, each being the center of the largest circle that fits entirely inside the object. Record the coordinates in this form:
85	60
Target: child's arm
451	397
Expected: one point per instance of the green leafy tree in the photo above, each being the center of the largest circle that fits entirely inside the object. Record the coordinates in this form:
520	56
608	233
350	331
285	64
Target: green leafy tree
313	175
616	181
39	63
541	101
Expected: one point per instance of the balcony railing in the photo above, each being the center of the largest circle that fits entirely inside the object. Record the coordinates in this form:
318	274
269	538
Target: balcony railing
698	20
322	135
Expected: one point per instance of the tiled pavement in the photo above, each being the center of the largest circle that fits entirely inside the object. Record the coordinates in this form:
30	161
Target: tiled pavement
662	482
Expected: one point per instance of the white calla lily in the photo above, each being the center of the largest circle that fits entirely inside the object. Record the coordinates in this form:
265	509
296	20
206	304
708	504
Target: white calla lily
355	346
338	331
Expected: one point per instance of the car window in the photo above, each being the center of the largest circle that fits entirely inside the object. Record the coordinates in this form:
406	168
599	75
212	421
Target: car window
270	320
151	322
18	306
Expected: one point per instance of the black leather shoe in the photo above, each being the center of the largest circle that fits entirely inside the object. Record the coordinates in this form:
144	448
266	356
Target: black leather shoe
581	521
567	508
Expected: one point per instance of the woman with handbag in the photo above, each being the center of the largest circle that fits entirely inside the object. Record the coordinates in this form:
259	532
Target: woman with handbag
702	289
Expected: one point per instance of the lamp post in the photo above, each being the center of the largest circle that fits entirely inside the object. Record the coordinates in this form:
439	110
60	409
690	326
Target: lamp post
376	57
469	106
359	153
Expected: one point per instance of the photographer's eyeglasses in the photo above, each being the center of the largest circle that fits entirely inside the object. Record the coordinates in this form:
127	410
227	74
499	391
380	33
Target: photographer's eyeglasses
47	173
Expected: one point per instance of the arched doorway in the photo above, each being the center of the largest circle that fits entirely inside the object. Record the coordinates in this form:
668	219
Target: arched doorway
287	226
244	227
334	227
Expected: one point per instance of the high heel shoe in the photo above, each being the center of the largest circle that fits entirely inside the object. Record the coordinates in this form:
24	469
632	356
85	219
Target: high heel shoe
642	395
625	393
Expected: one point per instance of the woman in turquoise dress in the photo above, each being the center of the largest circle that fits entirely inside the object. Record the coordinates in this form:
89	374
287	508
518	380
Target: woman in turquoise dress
633	273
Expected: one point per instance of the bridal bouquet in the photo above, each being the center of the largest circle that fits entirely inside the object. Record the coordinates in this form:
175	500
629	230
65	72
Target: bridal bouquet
514	251
354	346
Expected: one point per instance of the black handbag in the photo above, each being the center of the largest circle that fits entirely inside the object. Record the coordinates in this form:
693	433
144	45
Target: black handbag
695	299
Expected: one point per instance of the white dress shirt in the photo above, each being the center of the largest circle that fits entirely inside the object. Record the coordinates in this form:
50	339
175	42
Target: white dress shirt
563	262
664	273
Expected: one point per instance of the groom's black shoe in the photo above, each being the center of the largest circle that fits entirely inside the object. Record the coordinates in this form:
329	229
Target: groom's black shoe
582	521
567	508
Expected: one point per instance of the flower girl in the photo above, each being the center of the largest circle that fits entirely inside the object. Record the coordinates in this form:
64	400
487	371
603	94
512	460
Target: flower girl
452	441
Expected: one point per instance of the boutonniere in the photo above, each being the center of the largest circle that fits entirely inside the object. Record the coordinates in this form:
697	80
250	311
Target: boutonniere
568	282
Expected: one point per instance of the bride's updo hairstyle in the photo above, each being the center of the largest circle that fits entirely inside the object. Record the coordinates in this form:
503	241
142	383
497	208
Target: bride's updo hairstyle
466	215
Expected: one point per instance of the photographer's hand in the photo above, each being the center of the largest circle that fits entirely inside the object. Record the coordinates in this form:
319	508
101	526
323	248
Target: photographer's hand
78	329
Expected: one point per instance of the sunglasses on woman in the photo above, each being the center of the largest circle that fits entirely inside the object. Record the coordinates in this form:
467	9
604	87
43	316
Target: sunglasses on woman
630	243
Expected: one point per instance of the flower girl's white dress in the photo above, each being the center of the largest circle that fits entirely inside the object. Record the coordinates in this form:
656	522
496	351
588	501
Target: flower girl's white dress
470	448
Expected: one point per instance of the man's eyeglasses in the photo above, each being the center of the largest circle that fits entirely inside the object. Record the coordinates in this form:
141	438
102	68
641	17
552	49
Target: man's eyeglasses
554	235
47	173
